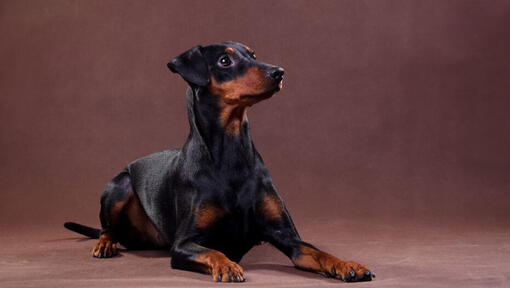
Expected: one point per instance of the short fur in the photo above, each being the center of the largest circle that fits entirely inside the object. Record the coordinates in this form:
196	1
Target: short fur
213	200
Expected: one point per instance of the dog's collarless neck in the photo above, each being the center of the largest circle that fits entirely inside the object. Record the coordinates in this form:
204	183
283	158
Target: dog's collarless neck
207	131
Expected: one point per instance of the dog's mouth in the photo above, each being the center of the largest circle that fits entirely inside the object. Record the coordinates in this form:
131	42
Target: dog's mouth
263	95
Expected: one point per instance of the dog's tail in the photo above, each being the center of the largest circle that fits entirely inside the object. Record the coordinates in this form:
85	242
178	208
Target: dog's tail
83	230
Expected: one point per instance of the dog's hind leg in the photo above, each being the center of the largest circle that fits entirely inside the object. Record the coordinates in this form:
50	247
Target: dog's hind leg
113	200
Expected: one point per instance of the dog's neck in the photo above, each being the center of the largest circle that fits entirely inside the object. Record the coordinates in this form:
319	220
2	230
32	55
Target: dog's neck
222	130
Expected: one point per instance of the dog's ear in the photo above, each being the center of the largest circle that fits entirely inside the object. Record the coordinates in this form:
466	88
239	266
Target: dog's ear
191	65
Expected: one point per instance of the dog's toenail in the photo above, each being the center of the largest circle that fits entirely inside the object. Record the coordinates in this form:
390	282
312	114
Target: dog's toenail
352	273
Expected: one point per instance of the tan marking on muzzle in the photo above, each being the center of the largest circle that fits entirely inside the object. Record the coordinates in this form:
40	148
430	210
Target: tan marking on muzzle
253	82
232	105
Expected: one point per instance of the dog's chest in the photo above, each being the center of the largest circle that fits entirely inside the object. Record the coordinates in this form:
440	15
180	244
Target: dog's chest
229	223
233	233
229	214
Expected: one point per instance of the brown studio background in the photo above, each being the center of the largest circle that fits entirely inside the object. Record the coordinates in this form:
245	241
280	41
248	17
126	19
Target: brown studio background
391	110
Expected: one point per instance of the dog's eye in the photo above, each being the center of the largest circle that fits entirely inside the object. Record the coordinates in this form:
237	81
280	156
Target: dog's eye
253	56
225	61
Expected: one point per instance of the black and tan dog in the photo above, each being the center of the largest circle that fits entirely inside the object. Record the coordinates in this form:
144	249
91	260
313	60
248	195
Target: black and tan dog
213	200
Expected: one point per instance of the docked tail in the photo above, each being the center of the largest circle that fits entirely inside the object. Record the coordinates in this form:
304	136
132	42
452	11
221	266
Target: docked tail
84	230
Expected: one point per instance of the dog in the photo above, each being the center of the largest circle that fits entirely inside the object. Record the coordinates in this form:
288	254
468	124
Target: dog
213	200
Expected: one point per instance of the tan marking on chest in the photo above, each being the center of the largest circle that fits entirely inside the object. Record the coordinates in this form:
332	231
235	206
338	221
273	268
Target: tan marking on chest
271	207
206	215
232	118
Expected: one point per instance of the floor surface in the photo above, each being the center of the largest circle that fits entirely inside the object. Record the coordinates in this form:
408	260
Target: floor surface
400	255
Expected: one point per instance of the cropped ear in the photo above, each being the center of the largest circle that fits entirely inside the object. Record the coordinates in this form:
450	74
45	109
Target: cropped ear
192	67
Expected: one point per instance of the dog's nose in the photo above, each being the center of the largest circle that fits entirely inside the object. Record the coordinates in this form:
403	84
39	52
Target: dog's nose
276	73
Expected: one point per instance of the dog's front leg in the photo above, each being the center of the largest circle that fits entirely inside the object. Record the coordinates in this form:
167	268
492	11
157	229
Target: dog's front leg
277	228
189	255
307	257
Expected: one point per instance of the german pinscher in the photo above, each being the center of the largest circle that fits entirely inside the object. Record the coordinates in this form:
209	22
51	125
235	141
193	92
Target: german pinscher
213	200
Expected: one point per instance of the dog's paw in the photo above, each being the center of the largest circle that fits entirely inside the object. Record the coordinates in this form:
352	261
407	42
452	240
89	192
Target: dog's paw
349	271
105	248
228	271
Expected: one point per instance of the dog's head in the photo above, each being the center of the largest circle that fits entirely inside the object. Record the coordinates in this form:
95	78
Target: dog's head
230	71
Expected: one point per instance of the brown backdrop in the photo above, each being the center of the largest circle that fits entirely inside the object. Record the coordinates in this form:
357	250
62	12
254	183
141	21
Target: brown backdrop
390	109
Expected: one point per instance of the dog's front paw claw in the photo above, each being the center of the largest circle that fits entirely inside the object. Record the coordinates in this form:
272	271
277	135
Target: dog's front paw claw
350	272
228	272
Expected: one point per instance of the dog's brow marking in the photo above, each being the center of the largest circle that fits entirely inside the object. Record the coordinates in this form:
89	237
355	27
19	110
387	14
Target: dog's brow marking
271	207
229	50
207	214
249	49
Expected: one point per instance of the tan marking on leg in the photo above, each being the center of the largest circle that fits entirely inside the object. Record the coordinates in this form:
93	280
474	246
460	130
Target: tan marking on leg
130	207
140	221
217	264
313	259
271	207
207	215
318	261
105	247
117	208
